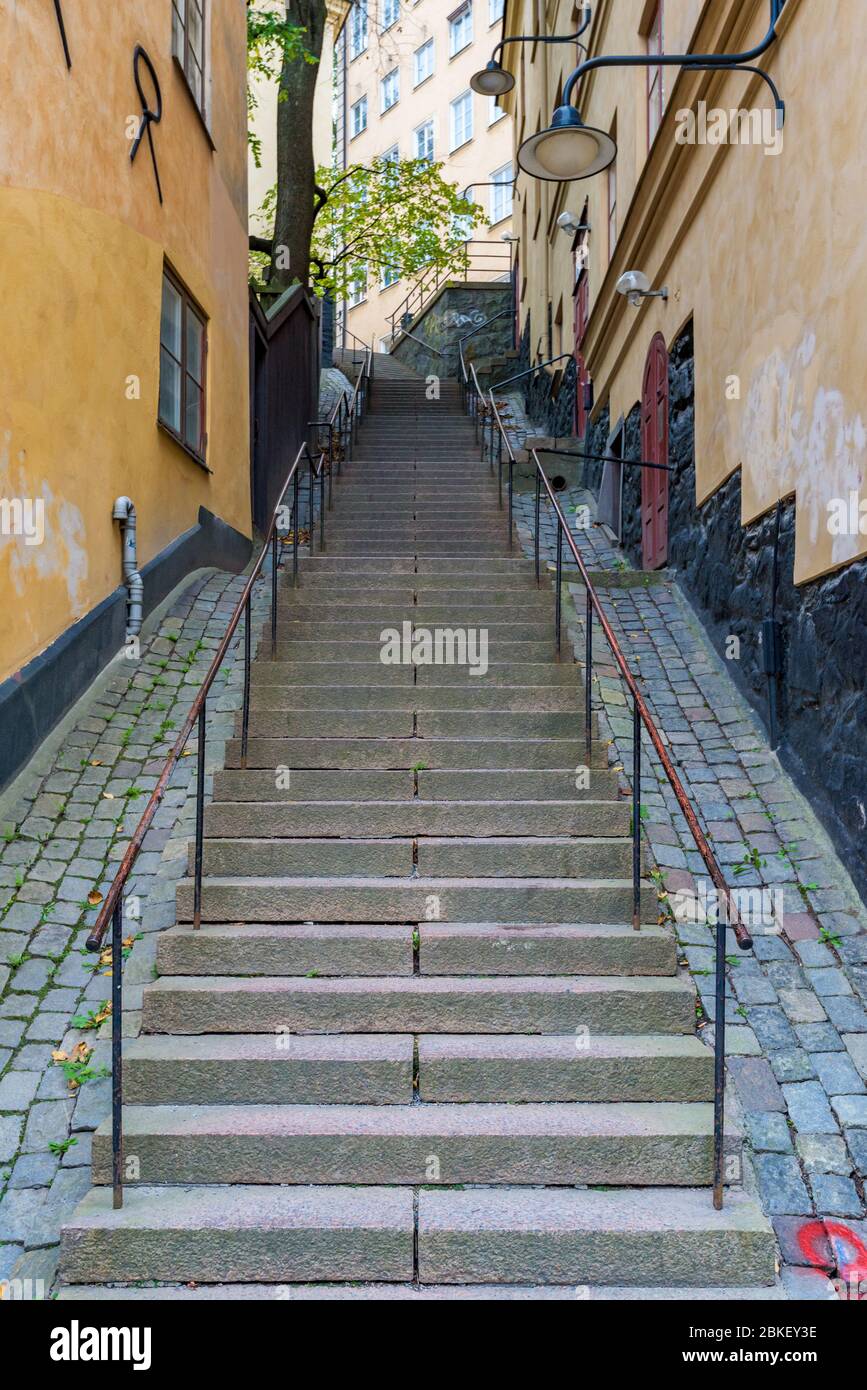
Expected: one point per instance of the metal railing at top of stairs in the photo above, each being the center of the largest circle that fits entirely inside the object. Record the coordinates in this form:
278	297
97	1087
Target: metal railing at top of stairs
728	913
343	424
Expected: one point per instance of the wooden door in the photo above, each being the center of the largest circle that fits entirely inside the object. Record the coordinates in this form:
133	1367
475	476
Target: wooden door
654	449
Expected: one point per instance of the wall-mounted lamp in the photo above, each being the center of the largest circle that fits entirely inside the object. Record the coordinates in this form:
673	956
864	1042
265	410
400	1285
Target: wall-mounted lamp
636	286
568	150
568	222
494	80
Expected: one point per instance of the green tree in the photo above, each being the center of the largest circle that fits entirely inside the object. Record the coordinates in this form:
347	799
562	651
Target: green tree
397	215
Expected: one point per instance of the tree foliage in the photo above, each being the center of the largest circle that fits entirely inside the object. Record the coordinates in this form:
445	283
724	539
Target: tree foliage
394	215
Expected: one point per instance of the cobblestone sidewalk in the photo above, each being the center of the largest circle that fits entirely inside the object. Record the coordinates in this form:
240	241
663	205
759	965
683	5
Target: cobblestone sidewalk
796	1020
66	823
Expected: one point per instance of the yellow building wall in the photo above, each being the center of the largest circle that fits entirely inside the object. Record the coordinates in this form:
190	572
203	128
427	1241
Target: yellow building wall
84	240
766	252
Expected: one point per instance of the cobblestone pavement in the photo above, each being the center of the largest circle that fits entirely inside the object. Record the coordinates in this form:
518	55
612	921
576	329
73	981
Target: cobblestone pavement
796	1021
65	824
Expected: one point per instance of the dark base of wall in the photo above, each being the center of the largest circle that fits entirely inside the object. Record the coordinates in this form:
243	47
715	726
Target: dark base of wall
34	699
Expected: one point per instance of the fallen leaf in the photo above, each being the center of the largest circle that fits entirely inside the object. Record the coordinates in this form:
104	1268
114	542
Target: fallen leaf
59	1056
108	796
94	897
96	762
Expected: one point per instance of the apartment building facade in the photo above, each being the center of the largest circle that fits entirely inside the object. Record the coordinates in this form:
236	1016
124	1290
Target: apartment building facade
745	378
404	91
124	421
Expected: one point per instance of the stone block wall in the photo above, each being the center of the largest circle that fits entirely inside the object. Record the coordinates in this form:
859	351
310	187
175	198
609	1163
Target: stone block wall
456	311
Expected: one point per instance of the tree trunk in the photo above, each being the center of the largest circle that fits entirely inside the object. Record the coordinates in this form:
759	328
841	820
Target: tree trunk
293	222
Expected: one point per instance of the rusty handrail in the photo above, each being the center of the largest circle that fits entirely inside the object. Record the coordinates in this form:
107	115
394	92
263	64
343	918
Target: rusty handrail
640	715
94	940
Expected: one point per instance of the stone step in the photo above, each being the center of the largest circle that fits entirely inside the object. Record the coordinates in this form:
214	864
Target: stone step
486	948
426	724
519	784
326	565
370	754
274	858
411	1293
529	857
243	1233
564	1144
268	694
303	784
308	949
498	651
566	1067
357	899
641	1236
245	819
539	612
265	1069
363	580
419	1004
339	628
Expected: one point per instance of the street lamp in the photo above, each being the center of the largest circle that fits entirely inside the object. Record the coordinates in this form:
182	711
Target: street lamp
494	80
567	149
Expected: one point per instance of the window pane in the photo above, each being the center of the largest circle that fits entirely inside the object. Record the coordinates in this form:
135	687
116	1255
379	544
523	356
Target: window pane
170	321
178	14
195	345
197	31
170	391
193	416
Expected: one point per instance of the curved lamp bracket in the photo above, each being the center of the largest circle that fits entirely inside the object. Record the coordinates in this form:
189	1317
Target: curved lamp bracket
734	62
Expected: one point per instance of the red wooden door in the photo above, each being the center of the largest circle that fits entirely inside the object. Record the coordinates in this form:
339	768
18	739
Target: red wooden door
654	449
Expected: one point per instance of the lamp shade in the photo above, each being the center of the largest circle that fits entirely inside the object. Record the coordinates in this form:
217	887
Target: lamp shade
492	81
567	149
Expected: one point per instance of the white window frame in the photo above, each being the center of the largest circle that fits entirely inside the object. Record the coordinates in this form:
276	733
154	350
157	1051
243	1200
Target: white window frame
390	7
385	87
425	127
356	129
390	276
501	187
358	30
461	29
495	112
495	11
462	103
417	76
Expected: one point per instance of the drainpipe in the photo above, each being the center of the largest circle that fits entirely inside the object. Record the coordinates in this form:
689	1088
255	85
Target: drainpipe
124	512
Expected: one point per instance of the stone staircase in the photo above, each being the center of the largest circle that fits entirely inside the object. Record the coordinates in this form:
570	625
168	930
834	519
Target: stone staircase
415	1049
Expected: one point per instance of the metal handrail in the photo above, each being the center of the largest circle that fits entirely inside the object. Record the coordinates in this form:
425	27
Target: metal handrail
435	276
112	906
478	328
519	376
640	715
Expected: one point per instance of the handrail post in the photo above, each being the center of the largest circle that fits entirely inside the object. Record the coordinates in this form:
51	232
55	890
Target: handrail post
588	677
511	498
245	712
321	502
117	1054
311	503
274	596
636	817
295	506
538	509
500	469
558	602
200	819
719	1060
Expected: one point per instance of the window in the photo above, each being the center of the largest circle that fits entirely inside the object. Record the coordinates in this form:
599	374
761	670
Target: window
423	63
495	112
463	225
461	110
390	13
358	116
655	76
495	10
389	89
501	194
391	156
358	288
358	29
612	208
188	44
390	276
183	354
460	29
424	141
